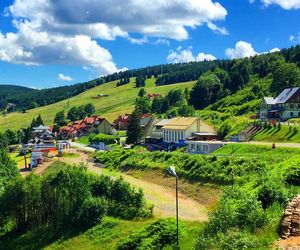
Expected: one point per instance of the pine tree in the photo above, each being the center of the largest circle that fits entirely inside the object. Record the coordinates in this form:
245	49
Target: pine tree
39	121
134	129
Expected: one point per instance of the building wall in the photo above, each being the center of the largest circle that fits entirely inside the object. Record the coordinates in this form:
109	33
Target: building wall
104	128
197	147
173	135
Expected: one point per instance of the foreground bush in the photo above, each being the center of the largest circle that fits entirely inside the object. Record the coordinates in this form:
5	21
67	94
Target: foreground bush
156	236
68	198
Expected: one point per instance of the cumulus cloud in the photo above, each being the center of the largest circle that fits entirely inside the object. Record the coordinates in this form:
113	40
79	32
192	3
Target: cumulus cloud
183	56
285	4
63	77
242	49
274	50
110	18
65	32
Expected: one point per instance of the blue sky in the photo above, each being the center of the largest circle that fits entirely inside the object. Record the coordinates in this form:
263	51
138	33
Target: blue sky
46	43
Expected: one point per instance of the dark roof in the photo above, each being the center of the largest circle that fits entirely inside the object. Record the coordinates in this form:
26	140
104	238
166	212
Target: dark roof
283	97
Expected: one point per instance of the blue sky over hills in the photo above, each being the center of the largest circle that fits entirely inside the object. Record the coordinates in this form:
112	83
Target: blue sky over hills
47	43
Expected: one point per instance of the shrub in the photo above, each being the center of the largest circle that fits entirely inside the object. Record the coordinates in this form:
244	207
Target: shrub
234	239
293	175
156	236
272	191
92	212
106	139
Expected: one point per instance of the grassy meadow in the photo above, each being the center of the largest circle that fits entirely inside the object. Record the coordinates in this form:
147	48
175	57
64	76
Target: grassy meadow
274	134
120	101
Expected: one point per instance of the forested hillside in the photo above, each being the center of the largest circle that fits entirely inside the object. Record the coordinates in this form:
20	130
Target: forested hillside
232	75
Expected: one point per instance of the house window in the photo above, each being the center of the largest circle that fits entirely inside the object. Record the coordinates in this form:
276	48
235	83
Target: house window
291	114
298	114
198	147
205	148
192	147
291	106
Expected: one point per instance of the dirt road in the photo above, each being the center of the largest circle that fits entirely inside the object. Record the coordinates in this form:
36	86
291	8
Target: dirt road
161	197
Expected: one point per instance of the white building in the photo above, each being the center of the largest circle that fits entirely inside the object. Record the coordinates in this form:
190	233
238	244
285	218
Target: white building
282	107
178	129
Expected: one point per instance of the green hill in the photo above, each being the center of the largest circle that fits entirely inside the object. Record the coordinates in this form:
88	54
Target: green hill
10	90
120	101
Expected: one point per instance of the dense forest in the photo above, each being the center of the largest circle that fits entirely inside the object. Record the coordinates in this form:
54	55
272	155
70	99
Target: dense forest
233	75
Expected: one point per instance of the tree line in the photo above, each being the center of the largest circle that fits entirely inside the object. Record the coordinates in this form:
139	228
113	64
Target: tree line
238	75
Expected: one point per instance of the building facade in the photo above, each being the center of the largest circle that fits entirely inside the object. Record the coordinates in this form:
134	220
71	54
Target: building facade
283	107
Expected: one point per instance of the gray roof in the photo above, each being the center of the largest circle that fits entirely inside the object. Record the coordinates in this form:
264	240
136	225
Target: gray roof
286	94
283	97
145	121
41	127
270	100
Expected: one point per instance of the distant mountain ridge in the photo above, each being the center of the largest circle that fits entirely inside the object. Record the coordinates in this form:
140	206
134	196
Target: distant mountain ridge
11	90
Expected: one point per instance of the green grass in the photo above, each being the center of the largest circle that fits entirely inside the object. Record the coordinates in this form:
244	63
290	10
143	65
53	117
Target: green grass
285	134
107	235
19	159
70	155
104	235
120	101
83	140
257	151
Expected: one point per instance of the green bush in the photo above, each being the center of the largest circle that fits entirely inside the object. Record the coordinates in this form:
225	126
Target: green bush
106	139
237	208
156	236
234	239
92	212
293	175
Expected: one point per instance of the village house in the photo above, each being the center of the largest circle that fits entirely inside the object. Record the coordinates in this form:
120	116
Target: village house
89	125
283	107
152	96
121	122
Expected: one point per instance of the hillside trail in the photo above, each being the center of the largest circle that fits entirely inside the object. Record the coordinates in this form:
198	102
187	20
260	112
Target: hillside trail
161	197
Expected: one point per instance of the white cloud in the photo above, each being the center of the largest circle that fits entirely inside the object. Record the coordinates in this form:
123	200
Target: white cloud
242	49
138	41
162	41
216	29
65	32
107	19
205	57
274	50
285	4
32	47
183	56
294	38
64	77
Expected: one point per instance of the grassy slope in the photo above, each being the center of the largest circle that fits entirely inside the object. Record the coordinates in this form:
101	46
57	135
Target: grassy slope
107	235
120	101
285	134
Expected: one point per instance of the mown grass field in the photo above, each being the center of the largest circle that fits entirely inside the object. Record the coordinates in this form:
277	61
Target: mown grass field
274	134
120	101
